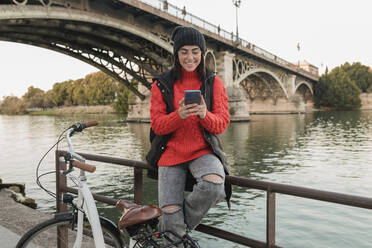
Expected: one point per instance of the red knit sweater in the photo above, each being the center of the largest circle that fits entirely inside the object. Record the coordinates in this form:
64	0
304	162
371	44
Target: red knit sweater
187	141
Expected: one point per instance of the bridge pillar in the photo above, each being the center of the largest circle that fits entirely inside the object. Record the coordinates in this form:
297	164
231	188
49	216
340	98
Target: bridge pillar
238	106
297	102
224	61
290	84
139	111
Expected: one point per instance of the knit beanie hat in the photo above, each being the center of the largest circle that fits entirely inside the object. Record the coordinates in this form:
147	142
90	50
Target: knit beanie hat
187	36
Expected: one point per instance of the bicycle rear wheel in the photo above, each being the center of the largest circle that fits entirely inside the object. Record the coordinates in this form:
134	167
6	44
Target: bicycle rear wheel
45	234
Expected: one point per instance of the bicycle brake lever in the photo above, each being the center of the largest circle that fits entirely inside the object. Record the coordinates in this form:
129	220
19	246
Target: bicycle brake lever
68	160
77	127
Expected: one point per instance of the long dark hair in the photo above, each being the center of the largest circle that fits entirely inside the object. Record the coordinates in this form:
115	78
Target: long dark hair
201	70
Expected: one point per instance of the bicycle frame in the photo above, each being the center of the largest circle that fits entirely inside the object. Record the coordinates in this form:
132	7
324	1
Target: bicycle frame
86	201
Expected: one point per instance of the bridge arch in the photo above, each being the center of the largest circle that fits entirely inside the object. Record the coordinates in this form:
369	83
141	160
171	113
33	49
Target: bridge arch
131	40
56	13
261	70
117	47
309	86
210	60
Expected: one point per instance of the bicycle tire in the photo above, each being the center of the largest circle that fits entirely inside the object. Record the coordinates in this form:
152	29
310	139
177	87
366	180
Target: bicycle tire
45	234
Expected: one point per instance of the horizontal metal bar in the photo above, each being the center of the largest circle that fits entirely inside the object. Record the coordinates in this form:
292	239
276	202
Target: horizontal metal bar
327	196
231	236
113	160
344	199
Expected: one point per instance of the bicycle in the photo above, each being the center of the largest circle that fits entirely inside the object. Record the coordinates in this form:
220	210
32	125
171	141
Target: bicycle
83	227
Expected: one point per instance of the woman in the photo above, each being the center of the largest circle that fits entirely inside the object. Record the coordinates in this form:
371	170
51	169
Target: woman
191	144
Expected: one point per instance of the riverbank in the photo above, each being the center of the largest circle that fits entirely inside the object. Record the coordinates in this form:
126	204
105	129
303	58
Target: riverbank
72	110
16	219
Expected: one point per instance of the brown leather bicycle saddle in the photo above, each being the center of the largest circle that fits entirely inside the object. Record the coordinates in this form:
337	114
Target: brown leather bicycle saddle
133	213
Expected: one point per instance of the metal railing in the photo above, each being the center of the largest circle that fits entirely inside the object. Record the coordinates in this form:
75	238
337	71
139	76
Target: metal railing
183	14
270	188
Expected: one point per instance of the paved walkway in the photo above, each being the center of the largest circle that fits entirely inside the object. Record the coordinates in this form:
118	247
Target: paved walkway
8	238
16	219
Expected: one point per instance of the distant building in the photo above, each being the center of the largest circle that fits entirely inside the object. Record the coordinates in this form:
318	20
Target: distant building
304	65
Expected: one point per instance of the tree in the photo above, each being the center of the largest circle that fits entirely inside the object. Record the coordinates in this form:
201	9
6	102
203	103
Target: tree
124	96
101	88
59	94
48	100
340	89
34	97
95	88
79	96
322	91
360	74
12	105
345	93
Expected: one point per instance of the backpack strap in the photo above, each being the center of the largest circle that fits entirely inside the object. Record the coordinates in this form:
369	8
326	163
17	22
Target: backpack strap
165	83
207	89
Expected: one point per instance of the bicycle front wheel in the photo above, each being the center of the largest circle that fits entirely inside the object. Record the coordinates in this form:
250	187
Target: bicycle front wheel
53	231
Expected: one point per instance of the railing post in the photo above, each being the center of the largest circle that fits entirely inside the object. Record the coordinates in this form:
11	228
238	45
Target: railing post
270	218
138	186
61	181
62	232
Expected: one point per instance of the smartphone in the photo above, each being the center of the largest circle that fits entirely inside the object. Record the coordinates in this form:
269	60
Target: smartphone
192	96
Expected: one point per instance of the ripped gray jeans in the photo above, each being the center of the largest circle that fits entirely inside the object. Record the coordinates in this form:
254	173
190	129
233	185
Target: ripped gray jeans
195	205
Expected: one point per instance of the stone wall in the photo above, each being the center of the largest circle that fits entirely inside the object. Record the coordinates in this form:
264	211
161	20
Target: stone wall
281	105
139	111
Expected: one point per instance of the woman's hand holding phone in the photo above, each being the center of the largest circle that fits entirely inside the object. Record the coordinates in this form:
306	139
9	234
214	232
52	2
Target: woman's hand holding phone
188	110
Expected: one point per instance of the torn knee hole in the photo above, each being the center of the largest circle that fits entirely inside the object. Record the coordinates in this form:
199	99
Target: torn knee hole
214	178
171	209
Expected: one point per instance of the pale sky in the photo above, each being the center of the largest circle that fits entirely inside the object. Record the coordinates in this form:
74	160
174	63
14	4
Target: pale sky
330	33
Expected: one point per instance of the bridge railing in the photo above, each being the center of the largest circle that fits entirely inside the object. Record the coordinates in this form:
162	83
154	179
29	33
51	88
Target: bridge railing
186	16
270	188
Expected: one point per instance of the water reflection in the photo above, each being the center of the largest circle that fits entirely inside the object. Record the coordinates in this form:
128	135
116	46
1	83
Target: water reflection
324	150
253	148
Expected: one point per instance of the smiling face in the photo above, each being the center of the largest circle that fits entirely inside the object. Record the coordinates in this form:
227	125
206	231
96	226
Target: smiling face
189	57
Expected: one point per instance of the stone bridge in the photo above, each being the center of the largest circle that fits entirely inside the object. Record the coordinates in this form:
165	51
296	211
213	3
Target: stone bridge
130	40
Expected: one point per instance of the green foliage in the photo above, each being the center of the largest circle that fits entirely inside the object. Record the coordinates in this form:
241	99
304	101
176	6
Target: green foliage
124	98
323	91
101	89
336	90
12	105
346	92
60	93
360	74
78	96
48	99
34	98
95	89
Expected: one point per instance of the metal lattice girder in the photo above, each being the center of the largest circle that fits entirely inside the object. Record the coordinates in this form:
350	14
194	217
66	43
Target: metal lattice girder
78	54
116	52
104	33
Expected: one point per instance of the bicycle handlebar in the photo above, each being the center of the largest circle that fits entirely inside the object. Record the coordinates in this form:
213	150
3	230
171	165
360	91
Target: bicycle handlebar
90	124
84	166
79	127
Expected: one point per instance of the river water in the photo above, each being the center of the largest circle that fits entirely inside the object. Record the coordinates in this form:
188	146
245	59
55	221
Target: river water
322	150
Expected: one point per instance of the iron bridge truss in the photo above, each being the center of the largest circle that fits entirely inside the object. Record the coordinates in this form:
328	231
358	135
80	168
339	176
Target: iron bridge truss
259	83
125	57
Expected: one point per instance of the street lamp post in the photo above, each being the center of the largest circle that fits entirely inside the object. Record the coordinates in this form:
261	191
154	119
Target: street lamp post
237	5
298	49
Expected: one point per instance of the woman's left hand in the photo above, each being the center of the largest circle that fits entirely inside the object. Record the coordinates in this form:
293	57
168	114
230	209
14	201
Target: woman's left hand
202	108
